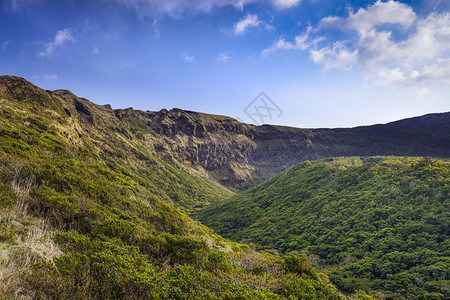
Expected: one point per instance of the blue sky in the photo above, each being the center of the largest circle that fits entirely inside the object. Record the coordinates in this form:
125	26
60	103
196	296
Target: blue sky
322	63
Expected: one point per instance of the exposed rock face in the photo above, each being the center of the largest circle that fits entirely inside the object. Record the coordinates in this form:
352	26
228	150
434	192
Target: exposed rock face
220	145
234	153
177	121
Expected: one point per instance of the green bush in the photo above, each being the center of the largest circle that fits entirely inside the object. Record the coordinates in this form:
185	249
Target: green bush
377	226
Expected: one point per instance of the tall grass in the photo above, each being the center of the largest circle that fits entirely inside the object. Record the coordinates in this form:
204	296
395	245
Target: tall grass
28	240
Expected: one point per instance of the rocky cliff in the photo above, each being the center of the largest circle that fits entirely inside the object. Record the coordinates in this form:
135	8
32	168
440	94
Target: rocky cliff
226	151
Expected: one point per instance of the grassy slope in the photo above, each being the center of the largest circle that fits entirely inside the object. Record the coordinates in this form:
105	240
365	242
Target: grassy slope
126	146
382	225
88	213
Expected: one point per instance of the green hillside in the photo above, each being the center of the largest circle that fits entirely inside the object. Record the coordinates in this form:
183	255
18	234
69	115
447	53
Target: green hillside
377	223
89	211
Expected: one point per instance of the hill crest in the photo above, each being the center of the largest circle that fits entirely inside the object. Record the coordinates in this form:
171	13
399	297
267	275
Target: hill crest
236	154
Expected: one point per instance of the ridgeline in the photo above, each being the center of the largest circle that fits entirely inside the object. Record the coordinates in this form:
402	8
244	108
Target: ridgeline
94	204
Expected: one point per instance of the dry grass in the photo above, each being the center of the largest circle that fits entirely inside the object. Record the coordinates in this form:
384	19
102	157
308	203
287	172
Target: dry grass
31	240
254	270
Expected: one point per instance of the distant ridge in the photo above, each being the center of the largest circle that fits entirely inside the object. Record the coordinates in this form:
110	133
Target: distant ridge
94	202
236	154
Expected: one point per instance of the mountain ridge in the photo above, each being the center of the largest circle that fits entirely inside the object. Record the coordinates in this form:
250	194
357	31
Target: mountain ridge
109	191
238	155
88	210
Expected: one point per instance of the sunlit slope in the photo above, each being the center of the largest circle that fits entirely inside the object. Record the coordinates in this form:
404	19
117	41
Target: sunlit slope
88	211
220	149
60	121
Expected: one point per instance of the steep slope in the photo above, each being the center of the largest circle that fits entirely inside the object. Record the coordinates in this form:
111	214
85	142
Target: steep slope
240	155
279	148
378	223
222	150
87	211
126	147
111	182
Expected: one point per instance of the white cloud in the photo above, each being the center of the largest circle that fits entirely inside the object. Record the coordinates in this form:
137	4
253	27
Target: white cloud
387	41
188	57
301	42
285	3
336	57
244	24
390	12
61	37
156	28
91	25
223	58
96	51
178	8
440	71
51	77
422	53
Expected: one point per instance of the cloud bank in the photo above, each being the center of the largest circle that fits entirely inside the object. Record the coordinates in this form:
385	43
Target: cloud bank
386	40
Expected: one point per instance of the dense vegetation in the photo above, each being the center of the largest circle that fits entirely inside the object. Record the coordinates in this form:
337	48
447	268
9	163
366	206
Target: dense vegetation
94	203
377	223
89	212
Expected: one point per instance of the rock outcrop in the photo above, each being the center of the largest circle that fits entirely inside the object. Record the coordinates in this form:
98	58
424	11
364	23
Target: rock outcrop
232	153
